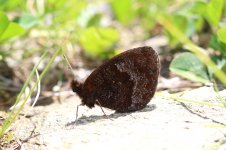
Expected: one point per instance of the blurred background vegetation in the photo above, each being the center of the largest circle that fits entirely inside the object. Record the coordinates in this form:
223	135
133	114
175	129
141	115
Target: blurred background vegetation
189	35
95	30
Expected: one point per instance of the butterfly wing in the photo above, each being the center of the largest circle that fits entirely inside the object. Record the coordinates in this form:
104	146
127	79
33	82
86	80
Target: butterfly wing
125	83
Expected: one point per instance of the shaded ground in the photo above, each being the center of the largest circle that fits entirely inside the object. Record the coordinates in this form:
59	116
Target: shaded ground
163	125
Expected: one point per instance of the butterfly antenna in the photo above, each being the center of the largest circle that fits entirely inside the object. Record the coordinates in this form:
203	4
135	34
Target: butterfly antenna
75	85
103	110
68	63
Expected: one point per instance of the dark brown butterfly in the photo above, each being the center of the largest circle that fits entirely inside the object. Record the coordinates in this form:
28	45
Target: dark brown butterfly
125	83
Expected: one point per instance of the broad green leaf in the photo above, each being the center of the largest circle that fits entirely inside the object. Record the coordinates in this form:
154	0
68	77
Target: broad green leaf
199	7
7	5
216	44
2	2
4	22
214	11
94	20
95	41
12	30
8	29
65	11
221	33
220	62
123	10
189	66
27	21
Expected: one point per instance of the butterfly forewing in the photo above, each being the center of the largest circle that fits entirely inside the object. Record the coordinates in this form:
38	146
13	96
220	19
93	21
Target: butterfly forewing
125	83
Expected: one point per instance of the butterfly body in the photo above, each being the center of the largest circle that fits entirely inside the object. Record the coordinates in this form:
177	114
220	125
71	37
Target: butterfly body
125	83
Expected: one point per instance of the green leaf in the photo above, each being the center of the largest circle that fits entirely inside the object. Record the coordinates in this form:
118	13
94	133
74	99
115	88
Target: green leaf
4	22
199	7
214	11
123	10
94	20
95	41
8	29
12	30
11	4
27	21
216	44
221	33
65	11
220	62
189	66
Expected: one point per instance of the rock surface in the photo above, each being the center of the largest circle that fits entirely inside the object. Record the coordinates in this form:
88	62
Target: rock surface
163	125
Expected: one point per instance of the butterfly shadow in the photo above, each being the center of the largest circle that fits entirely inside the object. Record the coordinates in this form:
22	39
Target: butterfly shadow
86	120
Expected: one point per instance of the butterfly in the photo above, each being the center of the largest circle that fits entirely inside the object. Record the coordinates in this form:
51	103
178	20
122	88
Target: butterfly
125	83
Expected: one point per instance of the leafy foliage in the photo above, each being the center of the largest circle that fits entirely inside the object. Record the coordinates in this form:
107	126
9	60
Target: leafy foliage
221	34
195	19
120	7
189	66
96	40
9	29
92	25
214	11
